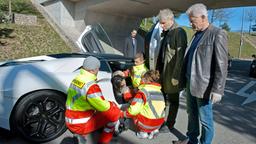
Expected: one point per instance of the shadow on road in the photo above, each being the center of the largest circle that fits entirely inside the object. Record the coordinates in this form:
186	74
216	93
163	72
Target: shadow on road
230	113
178	134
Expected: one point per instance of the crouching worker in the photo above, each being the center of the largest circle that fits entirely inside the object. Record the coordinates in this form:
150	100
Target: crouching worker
147	109
86	108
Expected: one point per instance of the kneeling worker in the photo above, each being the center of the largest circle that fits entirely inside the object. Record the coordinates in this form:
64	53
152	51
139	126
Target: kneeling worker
86	108
147	108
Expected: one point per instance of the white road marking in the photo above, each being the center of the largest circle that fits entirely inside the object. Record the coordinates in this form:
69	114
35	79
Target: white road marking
250	96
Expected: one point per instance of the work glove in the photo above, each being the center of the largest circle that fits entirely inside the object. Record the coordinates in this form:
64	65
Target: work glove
215	97
175	82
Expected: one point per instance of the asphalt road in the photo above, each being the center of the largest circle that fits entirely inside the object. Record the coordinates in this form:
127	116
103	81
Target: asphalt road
234	116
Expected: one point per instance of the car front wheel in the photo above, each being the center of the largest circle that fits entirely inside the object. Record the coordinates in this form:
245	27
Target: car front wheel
39	116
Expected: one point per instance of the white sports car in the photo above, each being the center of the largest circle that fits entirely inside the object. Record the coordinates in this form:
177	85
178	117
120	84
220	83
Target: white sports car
33	91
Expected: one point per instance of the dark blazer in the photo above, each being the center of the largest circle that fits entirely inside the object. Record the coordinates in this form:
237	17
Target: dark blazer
129	50
209	64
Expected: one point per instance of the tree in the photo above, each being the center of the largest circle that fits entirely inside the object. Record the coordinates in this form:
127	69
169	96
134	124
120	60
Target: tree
225	26
250	16
221	15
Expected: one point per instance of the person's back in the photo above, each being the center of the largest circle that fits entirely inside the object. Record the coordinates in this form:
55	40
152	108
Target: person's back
86	106
148	105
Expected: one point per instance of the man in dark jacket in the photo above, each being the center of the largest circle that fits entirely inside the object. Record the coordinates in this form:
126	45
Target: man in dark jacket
130	46
205	72
169	62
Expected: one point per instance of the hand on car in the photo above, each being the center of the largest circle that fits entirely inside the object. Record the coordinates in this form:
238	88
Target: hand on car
175	82
215	97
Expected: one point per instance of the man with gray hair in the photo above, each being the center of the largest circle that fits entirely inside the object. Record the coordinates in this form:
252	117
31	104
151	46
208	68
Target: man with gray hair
169	63
204	74
86	108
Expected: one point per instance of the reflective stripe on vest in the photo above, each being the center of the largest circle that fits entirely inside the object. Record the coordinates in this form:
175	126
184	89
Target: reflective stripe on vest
153	93
77	121
78	88
79	92
94	95
137	100
138	71
147	126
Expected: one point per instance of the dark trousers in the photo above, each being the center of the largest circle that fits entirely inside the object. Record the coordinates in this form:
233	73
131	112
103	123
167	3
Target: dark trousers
173	100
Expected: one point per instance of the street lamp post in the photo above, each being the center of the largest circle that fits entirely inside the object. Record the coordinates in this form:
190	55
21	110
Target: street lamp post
241	37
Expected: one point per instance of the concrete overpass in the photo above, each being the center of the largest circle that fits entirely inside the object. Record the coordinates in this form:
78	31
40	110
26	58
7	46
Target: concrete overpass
118	17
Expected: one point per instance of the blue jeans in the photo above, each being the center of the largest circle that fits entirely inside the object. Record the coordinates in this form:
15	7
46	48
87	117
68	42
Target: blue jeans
199	109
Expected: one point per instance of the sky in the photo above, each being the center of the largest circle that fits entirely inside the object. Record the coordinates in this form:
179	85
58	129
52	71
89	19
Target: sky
234	22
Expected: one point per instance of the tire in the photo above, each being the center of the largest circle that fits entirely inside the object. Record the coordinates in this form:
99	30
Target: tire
40	116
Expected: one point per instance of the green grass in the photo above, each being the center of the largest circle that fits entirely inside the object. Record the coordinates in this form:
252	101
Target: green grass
234	43
19	41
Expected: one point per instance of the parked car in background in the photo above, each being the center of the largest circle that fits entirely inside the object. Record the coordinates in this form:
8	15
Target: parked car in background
252	72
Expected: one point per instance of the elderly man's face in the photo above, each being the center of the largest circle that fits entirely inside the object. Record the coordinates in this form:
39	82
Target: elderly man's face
166	24
198	22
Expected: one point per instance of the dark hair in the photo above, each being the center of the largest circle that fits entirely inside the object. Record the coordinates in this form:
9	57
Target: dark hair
116	81
152	75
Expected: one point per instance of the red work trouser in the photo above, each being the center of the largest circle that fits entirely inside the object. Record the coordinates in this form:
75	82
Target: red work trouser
147	125
96	122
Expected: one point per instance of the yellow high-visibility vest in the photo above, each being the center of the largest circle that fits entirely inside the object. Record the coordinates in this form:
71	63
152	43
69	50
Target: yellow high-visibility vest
77	99
155	104
138	71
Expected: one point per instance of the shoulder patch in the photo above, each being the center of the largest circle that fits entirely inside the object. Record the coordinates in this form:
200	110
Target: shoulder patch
78	83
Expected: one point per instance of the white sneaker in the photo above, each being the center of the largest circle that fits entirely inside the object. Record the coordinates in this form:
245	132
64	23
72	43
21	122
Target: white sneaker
142	135
153	134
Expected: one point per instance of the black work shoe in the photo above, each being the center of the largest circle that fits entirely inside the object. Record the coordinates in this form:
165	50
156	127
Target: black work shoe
164	129
80	139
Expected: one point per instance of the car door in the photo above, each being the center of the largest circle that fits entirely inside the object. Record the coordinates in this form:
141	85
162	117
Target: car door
94	39
89	42
152	45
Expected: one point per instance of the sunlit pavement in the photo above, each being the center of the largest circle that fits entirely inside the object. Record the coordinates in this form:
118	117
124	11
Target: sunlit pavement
234	116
